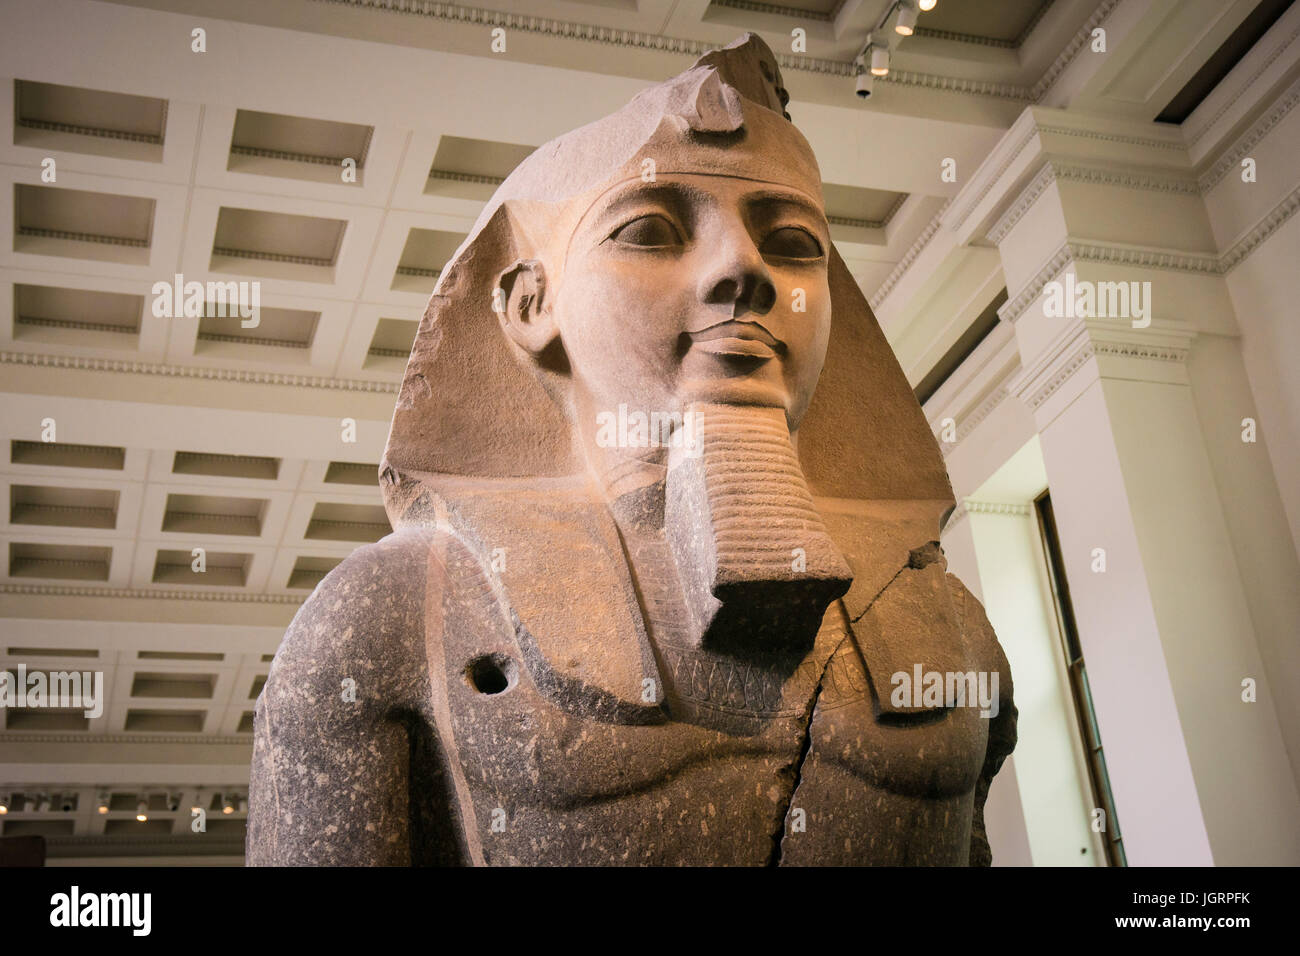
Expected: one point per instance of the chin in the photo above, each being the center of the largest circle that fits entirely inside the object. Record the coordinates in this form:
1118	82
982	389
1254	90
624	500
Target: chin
736	391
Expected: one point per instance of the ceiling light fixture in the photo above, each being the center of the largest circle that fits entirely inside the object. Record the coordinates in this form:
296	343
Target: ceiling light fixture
227	805
928	5
101	802
863	79
879	60
4	803
906	18
142	810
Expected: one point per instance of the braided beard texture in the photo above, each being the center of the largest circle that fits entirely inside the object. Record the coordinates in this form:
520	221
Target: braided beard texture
753	556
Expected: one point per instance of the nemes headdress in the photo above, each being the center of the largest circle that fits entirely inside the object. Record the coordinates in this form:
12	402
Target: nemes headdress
468	409
480	447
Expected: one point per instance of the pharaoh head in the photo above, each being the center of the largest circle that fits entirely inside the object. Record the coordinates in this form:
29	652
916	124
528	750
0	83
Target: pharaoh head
674	260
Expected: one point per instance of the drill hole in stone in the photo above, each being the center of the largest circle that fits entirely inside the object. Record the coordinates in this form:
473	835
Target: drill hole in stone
491	673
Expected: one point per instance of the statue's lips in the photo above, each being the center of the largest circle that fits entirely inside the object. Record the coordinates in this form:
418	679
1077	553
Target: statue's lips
745	339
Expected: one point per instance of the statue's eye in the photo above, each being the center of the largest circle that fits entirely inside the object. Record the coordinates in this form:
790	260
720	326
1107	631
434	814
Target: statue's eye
650	231
791	242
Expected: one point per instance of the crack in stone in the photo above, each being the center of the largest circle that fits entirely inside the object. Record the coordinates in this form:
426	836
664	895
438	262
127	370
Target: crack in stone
778	838
917	559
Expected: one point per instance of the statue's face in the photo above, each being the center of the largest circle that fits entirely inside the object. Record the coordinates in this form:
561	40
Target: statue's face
697	288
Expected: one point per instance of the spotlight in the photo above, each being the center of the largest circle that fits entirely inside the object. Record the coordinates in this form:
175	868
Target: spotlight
173	802
879	60
227	805
142	810
4	803
906	18
101	802
43	803
68	803
864	81
928	5
243	804
197	805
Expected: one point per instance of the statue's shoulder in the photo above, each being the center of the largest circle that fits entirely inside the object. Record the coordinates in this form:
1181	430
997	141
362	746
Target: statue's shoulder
366	616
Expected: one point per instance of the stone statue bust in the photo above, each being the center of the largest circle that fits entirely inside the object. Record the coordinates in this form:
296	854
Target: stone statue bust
665	566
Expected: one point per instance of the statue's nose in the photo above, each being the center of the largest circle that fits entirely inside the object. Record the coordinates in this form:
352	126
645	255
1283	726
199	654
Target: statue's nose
738	278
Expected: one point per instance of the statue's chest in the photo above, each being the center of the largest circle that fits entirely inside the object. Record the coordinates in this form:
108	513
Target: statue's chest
711	777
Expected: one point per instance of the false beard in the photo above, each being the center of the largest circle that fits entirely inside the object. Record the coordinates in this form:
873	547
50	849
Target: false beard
755	562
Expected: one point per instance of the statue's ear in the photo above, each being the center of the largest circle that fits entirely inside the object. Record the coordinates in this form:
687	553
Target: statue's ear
521	302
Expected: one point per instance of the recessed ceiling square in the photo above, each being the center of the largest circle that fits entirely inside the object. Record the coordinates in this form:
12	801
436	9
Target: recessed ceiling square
277	236
63	507
77	223
212	514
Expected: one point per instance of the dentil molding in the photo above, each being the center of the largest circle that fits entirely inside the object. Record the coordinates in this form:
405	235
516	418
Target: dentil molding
233	595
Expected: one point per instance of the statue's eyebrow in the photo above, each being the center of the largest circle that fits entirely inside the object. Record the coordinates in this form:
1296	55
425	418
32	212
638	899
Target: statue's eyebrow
676	196
780	197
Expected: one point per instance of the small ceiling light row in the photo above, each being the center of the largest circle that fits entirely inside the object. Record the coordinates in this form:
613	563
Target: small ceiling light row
877	46
42	802
67	802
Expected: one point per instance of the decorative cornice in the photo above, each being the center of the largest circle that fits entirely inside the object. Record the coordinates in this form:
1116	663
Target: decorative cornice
271	257
83	237
957	516
1011	310
238	597
1148	141
569	30
1199	134
881	223
83	363
1089	339
1232	158
1083	251
73	324
909	257
970	421
775	9
1062	374
1247	244
1022	204
991	180
1002	508
287	156
1072	49
949	84
973	39
1126	179
1033	23
290	156
1052	171
96	131
448	175
1146	258
250	340
1111	254
85	511
1138	350
244	740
